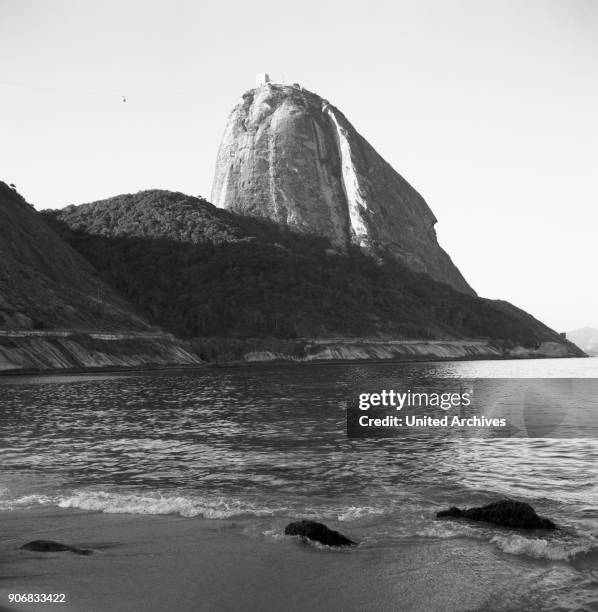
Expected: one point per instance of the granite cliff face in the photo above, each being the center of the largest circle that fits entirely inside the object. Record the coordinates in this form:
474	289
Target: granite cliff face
290	156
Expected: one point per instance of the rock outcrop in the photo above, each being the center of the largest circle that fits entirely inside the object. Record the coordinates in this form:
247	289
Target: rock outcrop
290	156
507	513
49	546
354	349
547	350
317	532
22	351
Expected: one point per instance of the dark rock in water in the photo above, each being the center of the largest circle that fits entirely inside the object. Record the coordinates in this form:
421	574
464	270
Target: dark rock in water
49	546
507	512
317	532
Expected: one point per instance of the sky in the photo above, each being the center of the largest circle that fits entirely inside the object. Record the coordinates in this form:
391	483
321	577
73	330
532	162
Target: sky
488	108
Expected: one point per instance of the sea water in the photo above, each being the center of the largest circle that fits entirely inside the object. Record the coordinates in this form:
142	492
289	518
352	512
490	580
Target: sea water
267	444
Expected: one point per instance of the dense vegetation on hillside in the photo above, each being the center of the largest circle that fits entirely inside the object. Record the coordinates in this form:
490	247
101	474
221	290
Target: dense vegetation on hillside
201	271
44	283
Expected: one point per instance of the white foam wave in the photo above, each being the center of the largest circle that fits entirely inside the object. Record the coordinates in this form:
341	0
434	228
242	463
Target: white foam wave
132	503
318	545
187	506
540	548
445	531
352	513
274	534
340	513
555	549
117	503
27	501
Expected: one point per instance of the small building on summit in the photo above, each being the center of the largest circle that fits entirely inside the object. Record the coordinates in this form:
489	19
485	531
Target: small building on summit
262	78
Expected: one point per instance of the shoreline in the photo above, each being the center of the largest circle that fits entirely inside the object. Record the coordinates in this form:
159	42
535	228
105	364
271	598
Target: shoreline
197	522
255	364
149	562
81	352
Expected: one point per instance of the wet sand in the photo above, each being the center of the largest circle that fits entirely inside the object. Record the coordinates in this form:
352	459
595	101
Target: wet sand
171	563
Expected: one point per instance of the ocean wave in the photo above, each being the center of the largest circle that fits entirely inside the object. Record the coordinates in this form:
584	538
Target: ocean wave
541	548
155	504
187	506
307	542
27	501
447	531
340	513
557	548
274	534
353	513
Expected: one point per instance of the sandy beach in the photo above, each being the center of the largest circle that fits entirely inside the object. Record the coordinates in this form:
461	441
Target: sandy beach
172	563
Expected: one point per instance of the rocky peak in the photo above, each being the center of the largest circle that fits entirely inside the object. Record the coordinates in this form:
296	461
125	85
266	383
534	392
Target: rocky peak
290	156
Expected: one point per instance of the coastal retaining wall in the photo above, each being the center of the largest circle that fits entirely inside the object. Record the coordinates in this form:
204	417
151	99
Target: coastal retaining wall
354	350
100	350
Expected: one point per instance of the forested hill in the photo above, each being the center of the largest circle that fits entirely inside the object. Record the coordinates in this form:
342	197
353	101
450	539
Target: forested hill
159	214
44	283
201	271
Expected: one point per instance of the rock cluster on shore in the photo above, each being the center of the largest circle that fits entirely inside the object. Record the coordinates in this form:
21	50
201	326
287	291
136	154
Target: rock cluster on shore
507	513
50	546
317	532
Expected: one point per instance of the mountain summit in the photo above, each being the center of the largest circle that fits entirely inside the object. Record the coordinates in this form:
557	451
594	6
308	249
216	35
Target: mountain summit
289	156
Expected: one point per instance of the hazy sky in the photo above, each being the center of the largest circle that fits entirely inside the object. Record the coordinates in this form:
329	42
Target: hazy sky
488	108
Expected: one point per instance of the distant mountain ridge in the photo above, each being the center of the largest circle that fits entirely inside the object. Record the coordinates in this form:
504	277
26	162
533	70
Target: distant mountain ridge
586	338
198	270
289	156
